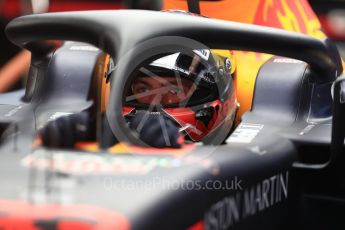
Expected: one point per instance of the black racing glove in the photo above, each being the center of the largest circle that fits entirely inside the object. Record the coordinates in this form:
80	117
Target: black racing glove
156	130
65	131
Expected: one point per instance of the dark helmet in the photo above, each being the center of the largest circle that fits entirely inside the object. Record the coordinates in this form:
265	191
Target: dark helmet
194	89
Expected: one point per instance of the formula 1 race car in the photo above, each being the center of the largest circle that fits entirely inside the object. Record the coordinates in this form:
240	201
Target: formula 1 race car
280	168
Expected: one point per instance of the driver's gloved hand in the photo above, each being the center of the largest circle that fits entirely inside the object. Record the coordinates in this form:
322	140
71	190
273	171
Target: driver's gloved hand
65	131
156	130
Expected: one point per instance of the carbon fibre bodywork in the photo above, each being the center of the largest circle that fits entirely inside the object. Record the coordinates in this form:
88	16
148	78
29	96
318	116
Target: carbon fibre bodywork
273	172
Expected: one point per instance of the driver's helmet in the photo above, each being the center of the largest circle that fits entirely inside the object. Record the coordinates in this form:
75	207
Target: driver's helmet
194	89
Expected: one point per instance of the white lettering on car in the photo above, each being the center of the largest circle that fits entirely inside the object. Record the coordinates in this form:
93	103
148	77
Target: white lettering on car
230	210
245	133
287	60
84	48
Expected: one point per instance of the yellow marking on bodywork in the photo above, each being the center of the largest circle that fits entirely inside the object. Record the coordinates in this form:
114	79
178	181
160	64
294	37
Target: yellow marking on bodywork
288	19
247	67
226	54
268	4
313	25
120	148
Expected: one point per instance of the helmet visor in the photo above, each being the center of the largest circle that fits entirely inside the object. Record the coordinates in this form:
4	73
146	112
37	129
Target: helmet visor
162	90
176	80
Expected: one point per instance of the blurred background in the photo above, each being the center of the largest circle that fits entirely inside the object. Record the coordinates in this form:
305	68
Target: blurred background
331	14
14	62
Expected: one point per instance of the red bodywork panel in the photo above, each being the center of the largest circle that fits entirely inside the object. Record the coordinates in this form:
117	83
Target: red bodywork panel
24	215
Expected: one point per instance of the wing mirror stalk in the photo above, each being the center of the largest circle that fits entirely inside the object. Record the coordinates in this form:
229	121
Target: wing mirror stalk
338	123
